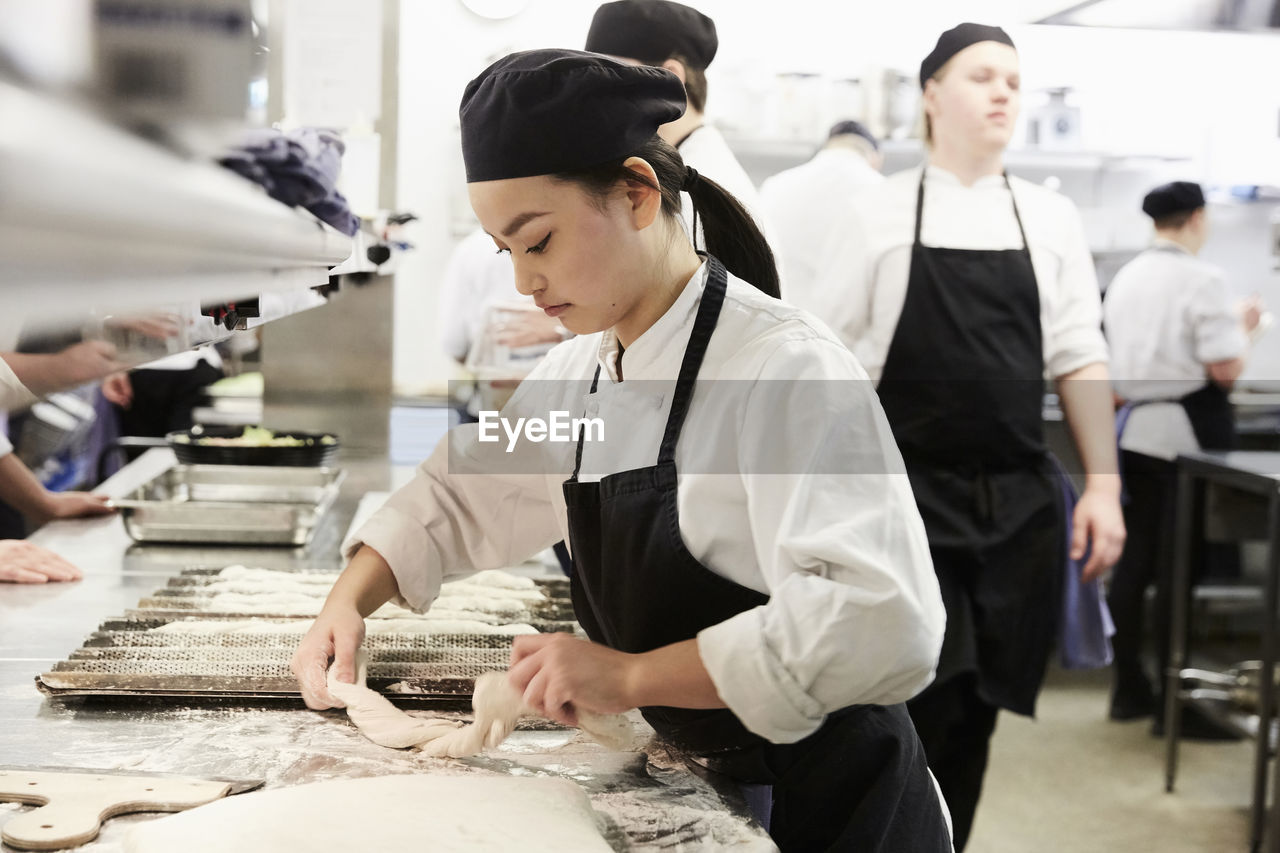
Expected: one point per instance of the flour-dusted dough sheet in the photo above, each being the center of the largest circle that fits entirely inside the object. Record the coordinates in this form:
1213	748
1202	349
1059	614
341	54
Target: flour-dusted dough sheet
467	814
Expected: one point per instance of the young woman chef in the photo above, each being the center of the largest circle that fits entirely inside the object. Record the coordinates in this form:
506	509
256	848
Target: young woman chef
960	289
771	622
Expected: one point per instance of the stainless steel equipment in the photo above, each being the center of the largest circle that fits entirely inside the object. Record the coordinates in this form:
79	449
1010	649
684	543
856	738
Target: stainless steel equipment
127	657
230	504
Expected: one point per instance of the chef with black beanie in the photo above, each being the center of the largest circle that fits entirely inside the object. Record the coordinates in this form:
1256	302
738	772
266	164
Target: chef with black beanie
961	290
750	569
682	40
1178	341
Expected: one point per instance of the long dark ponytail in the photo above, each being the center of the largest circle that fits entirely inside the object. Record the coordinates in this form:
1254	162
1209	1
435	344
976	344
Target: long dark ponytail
728	230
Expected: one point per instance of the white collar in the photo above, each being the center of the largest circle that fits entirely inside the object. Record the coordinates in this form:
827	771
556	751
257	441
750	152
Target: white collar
1163	243
937	174
659	339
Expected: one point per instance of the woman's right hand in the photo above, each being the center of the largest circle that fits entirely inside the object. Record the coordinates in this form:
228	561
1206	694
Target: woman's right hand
334	636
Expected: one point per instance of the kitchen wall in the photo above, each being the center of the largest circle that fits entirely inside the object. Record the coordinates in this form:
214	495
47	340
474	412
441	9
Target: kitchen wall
1205	99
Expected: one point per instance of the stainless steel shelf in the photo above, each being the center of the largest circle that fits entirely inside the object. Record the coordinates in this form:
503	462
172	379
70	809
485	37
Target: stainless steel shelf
91	214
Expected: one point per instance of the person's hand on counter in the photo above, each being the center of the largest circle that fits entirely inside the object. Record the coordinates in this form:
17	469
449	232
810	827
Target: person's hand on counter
24	492
22	562
58	505
335	636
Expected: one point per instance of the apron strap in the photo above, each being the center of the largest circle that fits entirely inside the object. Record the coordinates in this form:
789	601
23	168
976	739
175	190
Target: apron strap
577	460
1026	245
703	325
915	240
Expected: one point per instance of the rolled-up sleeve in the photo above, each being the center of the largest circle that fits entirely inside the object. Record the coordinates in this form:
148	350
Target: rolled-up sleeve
854	615
13	394
1074	329
473	504
460	514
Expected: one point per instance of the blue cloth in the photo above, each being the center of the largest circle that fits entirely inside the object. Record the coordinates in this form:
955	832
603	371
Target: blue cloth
1084	627
299	168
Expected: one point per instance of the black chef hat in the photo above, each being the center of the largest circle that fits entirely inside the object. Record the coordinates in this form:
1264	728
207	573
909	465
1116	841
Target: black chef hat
541	112
653	31
1177	197
850	127
955	40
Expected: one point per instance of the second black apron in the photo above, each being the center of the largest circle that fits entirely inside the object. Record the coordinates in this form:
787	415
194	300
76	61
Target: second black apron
963	390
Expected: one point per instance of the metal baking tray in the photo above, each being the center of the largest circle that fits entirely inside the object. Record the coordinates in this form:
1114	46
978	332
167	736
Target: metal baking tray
265	483
230	505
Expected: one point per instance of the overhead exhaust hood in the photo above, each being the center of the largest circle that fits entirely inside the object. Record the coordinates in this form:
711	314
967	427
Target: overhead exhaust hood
1233	15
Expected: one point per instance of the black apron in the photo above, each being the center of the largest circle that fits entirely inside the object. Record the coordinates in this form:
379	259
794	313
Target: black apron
963	390
636	587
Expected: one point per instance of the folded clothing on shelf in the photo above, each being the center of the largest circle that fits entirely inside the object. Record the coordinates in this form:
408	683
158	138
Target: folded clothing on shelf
299	168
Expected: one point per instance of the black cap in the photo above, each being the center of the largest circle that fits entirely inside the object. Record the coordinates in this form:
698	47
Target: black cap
1177	197
955	40
542	112
849	127
653	31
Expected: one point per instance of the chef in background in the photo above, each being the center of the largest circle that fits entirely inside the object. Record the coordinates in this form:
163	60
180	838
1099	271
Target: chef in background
960	289
1178	343
481	315
803	201
682	40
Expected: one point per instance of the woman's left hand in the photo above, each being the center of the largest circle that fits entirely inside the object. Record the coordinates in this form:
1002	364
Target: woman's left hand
560	674
1099	520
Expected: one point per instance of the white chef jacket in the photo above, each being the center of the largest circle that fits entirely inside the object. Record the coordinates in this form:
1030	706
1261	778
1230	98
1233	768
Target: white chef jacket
854	615
1168	315
706	151
864	267
802	203
13	394
477	277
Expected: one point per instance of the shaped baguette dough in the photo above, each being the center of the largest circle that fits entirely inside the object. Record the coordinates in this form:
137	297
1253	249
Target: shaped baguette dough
392	813
498	706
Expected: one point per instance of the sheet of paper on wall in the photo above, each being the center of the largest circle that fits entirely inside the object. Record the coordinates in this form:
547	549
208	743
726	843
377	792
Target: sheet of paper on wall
332	63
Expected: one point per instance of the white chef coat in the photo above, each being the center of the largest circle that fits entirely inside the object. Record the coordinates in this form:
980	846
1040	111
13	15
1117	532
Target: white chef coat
1168	314
802	203
477	277
864	267
854	615
13	394
706	151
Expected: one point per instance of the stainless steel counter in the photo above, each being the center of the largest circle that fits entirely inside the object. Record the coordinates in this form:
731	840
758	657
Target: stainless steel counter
648	802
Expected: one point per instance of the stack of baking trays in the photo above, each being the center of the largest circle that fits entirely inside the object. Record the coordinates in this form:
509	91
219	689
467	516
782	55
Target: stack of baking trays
230	504
232	631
